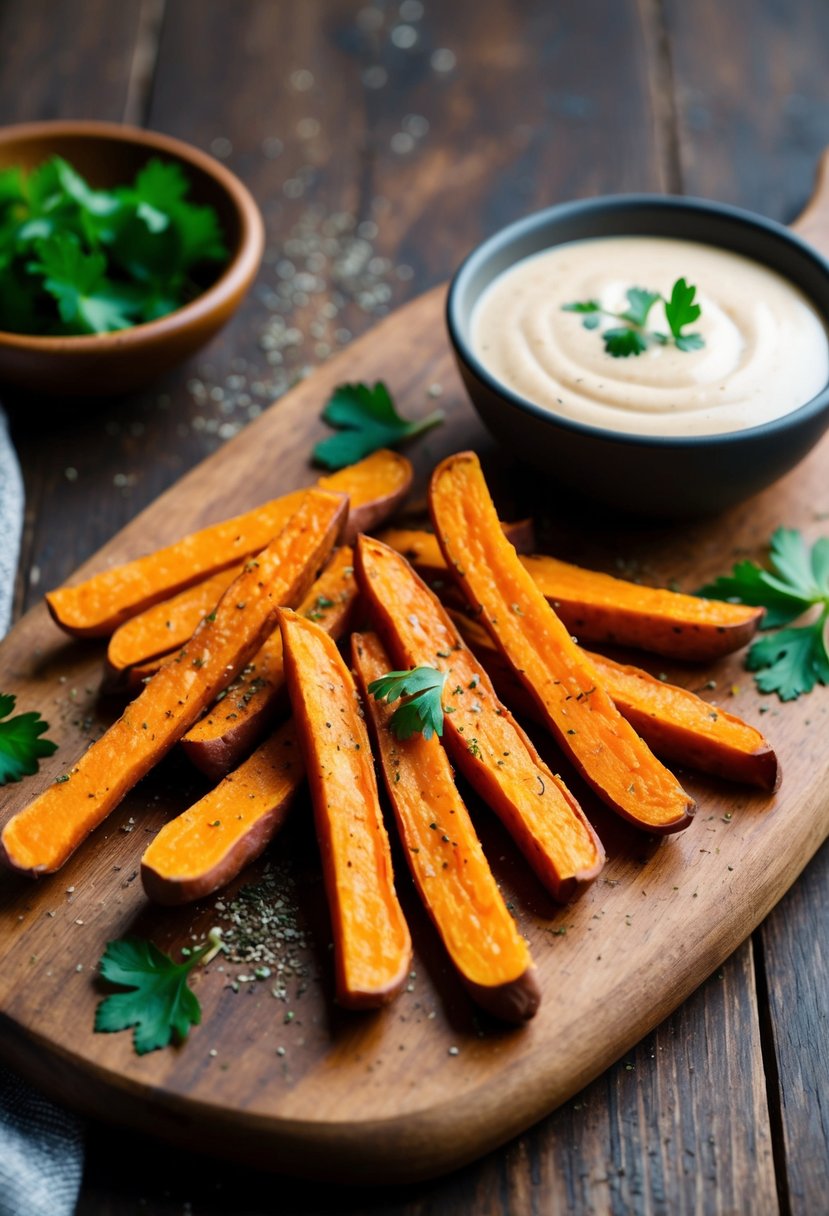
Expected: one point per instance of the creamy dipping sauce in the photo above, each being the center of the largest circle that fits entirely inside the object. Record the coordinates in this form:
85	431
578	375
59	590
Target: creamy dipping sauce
766	350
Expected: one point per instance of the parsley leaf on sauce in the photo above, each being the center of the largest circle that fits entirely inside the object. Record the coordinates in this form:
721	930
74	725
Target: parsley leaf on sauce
633	338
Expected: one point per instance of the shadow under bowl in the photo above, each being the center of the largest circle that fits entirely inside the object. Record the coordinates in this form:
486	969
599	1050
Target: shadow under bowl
109	155
666	477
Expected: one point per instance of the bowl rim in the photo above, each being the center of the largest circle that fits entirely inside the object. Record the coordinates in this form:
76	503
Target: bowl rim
770	229
235	276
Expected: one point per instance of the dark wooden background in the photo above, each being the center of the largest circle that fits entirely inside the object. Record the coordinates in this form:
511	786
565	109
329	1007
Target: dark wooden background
431	125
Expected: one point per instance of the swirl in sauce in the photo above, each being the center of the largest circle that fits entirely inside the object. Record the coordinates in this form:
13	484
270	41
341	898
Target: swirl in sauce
766	350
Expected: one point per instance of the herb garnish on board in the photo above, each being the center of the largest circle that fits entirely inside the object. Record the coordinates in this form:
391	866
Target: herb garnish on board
633	337
159	1006
366	420
75	260
21	747
788	661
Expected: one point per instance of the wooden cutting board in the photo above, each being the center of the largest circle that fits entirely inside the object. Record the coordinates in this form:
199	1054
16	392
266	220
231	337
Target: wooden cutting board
295	1084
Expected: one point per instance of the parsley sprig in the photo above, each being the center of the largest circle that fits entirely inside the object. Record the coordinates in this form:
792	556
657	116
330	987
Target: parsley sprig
793	660
421	710
159	1005
21	747
75	260
633	337
366	420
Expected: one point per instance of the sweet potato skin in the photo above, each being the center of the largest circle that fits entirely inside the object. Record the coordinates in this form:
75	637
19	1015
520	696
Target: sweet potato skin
445	857
376	487
42	836
608	753
538	810
372	946
204	848
676	724
234	725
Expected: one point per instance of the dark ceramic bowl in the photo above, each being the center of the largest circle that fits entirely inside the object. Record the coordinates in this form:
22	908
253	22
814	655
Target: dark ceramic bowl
110	155
668	477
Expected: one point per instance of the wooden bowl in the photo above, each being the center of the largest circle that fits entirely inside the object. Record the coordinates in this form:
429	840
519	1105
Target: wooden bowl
108	155
666	477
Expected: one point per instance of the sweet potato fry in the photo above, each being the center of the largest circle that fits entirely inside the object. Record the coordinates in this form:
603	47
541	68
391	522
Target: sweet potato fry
375	485
483	738
231	727
164	627
611	757
41	837
372	947
422	550
599	608
675	723
445	856
209	844
96	607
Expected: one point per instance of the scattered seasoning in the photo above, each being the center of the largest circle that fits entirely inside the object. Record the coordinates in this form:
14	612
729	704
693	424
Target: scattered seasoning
262	930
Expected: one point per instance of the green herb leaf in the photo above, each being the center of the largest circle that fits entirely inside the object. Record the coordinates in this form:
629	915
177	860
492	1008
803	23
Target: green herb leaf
690	342
791	661
420	689
367	420
160	1005
21	747
622	342
640	302
681	310
633	338
583	306
76	280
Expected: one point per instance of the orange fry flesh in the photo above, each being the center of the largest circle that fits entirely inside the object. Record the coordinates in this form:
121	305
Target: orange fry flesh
611	757
372	946
445	856
212	841
483	738
42	836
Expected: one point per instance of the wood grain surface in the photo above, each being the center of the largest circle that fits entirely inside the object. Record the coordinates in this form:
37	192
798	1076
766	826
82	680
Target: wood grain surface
542	103
427	1084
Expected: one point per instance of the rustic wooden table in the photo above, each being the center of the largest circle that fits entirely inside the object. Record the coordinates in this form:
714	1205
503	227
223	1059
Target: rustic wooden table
382	142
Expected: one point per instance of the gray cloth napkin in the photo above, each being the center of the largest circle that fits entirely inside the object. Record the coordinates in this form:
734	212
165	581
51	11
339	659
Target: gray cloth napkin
41	1146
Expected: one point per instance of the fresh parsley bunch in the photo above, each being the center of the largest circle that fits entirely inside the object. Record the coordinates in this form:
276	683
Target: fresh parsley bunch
74	260
789	661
